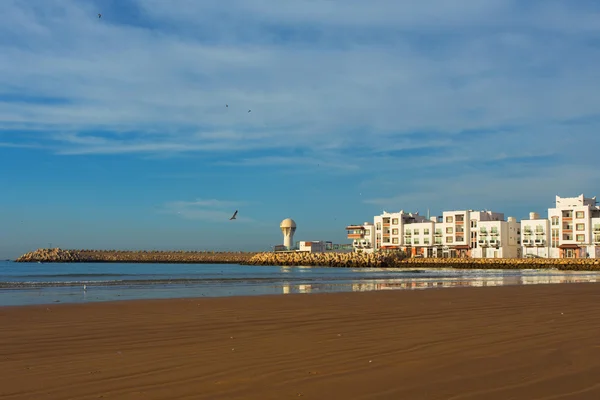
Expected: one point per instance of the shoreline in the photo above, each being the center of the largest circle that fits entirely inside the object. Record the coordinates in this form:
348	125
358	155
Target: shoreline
518	342
327	259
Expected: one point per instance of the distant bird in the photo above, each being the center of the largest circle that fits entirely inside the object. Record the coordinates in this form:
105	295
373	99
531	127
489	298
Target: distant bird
84	288
226	105
234	215
249	110
99	15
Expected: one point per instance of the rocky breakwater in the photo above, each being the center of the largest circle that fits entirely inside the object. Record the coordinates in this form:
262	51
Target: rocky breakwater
120	256
330	259
393	260
564	264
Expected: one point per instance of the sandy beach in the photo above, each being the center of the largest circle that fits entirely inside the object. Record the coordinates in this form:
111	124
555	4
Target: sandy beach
519	342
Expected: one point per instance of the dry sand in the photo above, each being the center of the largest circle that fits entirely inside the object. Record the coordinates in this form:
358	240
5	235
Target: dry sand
522	342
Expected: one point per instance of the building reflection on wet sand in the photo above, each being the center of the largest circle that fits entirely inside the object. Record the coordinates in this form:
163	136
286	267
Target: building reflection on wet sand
411	284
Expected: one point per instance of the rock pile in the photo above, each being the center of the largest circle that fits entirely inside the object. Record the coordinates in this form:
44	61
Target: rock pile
392	260
120	256
51	255
348	260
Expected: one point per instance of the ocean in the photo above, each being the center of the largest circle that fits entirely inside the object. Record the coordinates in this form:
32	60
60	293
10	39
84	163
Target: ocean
46	283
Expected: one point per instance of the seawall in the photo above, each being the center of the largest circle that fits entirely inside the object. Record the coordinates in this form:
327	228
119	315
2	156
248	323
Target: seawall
118	256
390	260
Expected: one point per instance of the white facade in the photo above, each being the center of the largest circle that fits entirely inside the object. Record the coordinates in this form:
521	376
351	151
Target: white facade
497	239
454	234
572	230
535	236
363	237
312	246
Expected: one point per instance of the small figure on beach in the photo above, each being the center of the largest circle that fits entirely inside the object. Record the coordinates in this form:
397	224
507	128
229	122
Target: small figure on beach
234	215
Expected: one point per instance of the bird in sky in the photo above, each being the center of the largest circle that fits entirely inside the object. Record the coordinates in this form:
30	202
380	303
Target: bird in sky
99	15
226	105
234	215
249	110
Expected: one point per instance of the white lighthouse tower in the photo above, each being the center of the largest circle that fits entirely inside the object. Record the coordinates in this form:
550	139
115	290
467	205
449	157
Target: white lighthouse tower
288	227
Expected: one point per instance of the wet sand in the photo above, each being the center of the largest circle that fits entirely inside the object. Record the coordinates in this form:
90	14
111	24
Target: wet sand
515	342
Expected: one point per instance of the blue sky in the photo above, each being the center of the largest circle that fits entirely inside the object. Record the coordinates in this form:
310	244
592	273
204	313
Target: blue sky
114	131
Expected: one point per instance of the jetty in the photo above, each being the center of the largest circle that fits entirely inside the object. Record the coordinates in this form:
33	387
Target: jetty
58	255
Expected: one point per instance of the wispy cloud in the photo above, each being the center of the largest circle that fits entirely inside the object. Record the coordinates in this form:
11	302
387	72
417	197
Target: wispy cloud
377	89
211	210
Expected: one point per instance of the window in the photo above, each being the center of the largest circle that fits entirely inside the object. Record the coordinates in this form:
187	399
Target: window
580	238
579	214
416	231
367	231
449	230
395	240
449	239
394	231
394	221
460	238
425	231
416	241
426	241
554	220
407	232
473	223
379	226
460	218
449	219
386	240
580	227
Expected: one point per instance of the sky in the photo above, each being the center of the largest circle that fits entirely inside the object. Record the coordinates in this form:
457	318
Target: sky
115	134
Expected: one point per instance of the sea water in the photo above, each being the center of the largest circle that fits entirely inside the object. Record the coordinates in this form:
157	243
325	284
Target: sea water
44	283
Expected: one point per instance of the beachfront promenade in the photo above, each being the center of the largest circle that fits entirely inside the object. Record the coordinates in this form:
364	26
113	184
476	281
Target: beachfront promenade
329	259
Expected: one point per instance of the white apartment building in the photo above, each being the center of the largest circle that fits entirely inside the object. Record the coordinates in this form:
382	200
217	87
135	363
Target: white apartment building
496	239
535	236
389	229
363	237
454	234
572	230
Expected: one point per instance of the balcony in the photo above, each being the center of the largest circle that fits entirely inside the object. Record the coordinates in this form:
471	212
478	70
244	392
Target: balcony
494	243
355	236
483	243
527	242
494	233
540	242
596	239
596	228
438	233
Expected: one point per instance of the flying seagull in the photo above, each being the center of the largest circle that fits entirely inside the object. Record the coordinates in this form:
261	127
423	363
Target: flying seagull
249	110
99	15
234	215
